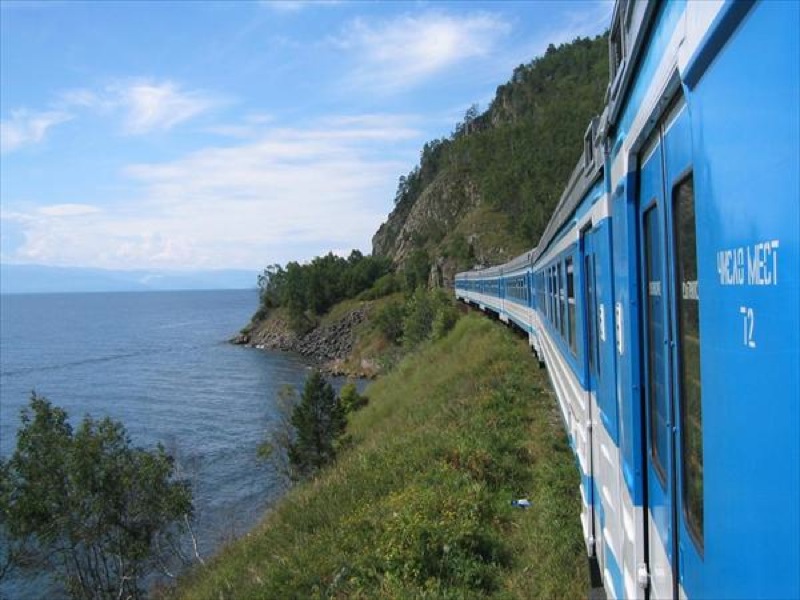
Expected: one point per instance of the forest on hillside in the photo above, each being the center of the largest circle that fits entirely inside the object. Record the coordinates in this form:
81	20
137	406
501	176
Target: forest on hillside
517	154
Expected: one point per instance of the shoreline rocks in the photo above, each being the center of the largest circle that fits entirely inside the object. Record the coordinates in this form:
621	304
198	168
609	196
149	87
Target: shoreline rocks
329	346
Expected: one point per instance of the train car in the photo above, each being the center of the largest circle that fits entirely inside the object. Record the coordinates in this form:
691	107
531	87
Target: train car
665	302
517	296
482	288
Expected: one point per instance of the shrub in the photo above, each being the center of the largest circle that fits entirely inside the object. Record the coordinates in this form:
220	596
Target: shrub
389	321
383	286
428	315
350	399
88	508
445	315
418	319
275	446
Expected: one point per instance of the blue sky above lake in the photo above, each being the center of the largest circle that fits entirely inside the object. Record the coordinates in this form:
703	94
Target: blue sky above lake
146	135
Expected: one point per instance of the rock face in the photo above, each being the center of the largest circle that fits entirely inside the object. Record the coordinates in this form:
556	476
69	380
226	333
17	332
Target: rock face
437	211
334	341
329	346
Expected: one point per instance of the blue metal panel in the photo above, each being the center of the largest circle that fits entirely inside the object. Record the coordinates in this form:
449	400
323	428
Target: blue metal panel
600	511
725	24
624	240
665	22
590	199
656	381
746	135
616	573
606	384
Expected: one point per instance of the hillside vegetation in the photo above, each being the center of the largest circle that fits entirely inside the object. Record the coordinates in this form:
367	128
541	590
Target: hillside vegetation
419	503
478	197
484	194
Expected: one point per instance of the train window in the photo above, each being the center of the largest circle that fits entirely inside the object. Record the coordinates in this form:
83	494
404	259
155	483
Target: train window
546	294
543	293
571	306
628	4
553	309
591	319
615	48
540	289
656	384
542	303
562	308
554	291
557	295
588	147
689	340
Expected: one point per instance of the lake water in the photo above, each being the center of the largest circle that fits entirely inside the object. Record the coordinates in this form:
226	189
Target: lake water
159	362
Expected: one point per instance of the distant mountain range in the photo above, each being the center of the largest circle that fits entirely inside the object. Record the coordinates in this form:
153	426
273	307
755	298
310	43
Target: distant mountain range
33	279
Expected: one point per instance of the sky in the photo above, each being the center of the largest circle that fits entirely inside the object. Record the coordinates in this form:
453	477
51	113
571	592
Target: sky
211	135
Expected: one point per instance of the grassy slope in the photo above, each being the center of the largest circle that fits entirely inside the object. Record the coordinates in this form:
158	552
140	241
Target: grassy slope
419	505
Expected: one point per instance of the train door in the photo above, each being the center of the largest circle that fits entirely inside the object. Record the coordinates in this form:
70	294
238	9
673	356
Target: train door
591	368
671	357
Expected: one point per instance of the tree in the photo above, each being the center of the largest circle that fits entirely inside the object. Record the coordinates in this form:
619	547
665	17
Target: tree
350	399
281	436
87	507
429	314
416	269
309	290
418	319
389	321
319	421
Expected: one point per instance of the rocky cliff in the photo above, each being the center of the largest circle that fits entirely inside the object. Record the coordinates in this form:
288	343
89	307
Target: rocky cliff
439	209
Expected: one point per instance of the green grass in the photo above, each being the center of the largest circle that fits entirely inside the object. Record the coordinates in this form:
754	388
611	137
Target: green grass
340	310
419	505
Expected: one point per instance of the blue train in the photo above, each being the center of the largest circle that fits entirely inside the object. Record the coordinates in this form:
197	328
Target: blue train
664	300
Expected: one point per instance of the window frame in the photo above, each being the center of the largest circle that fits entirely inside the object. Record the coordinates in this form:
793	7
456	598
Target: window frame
695	528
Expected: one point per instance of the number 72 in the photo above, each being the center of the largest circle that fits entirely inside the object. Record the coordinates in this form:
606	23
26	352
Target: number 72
748	324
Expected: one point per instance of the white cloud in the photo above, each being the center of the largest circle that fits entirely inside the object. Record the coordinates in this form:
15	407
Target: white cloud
67	210
144	105
293	6
25	128
289	194
399	54
82	98
249	127
152	106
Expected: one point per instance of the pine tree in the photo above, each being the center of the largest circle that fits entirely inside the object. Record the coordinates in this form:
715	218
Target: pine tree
319	421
